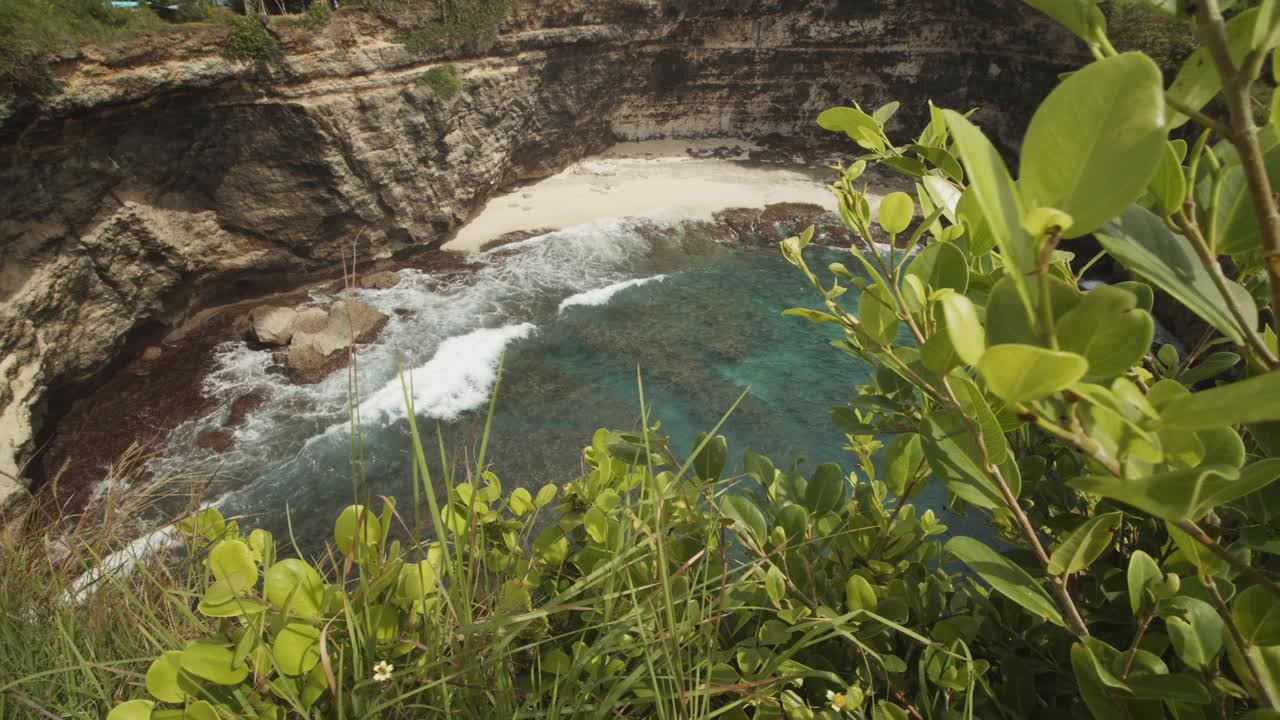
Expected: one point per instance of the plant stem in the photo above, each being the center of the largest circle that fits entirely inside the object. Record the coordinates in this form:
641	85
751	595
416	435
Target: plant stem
1264	691
1252	342
1133	647
1201	119
1029	534
1236	84
1236	563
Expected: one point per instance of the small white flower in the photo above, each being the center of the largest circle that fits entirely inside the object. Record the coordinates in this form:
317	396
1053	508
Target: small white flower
837	700
382	671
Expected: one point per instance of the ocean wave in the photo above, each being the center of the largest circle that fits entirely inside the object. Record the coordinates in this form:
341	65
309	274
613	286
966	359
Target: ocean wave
458	378
602	295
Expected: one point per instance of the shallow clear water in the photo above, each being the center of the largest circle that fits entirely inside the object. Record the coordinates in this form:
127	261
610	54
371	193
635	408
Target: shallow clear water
575	312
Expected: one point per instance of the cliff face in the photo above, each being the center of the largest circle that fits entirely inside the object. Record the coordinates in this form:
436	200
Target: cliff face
165	176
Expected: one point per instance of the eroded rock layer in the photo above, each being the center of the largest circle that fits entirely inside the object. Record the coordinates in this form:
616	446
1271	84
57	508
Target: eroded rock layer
165	177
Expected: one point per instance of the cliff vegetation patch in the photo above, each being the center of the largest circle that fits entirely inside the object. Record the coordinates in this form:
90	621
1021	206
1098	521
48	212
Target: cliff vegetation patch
443	81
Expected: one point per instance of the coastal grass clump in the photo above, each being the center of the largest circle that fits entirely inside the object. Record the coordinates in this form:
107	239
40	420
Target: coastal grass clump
34	32
249	39
442	80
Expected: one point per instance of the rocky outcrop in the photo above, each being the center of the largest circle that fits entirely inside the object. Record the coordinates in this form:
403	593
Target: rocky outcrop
166	177
318	348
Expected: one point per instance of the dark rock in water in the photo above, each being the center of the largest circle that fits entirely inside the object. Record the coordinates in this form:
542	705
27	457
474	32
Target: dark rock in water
384	280
242	406
404	312
217	440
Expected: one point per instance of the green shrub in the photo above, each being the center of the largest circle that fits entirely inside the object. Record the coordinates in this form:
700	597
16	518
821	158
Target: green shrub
249	39
195	10
469	25
319	14
443	81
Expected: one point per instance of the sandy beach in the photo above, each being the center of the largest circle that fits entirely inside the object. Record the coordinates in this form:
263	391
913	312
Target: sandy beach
658	180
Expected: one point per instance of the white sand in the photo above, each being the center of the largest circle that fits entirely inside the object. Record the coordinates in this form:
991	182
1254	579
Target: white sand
656	180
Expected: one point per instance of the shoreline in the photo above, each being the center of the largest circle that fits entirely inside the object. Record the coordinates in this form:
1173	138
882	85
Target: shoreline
660	180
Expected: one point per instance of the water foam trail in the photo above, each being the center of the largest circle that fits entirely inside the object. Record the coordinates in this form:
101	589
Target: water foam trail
601	296
457	379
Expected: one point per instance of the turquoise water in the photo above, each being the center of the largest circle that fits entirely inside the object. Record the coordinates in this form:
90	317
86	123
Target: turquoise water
575	313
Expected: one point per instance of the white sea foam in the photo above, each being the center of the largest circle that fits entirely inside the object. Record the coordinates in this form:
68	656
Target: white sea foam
121	563
601	296
457	379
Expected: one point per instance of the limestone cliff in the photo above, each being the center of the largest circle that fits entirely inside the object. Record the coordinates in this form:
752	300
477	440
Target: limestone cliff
165	176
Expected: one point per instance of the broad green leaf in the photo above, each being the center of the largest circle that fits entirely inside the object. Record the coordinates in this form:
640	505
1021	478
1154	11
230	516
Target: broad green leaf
296	649
232	561
213	661
941	159
1210	367
545	496
956	459
1247	401
759	467
1195	630
896	210
886	111
1169	185
968	337
775	585
1088	541
793	519
296	587
1141	242
1142	570
132	710
941	265
1146	296
201	710
1265	25
996	197
903	460
596	523
1087	672
1257	614
417	580
826	489
1005	577
1235	220
1094	143
878	314
859	595
1022	373
748	517
974	404
1198	82
850	121
1173	496
944	194
521	502
1078	16
1253	478
1182	687
162	678
710	462
358	533
1109	330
